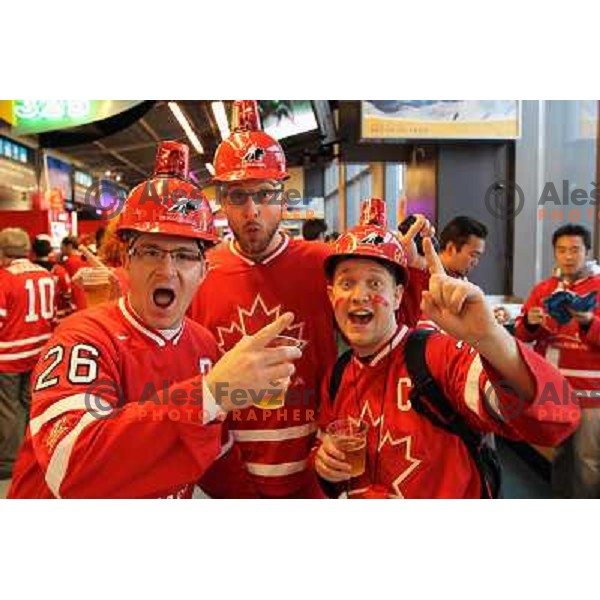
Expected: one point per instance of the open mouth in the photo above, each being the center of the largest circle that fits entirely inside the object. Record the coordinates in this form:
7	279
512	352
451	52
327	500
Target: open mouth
163	297
360	317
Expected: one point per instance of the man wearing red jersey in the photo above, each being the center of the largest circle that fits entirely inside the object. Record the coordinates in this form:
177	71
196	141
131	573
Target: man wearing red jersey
26	313
574	348
252	280
407	455
41	248
73	261
126	396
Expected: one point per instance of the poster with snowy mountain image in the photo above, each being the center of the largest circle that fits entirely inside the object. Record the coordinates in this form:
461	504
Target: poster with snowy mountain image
440	119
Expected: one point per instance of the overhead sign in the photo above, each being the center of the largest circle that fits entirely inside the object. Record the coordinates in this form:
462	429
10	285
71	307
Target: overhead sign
39	116
440	119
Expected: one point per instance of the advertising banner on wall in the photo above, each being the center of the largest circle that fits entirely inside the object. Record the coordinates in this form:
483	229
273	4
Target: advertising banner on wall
440	119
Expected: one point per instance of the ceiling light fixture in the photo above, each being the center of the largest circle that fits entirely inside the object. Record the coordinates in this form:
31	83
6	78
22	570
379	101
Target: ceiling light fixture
221	117
185	125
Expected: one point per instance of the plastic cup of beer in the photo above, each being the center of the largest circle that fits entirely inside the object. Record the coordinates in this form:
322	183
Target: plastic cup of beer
96	285
275	398
350	436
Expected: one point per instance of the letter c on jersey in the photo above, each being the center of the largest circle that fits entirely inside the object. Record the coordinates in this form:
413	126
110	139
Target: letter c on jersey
403	392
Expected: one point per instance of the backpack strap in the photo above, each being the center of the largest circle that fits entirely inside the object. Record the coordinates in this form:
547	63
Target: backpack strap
337	373
430	401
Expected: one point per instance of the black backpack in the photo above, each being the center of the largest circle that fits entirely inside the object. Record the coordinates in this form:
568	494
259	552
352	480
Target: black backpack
428	400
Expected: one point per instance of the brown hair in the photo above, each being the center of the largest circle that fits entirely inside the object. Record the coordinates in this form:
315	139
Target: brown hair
112	249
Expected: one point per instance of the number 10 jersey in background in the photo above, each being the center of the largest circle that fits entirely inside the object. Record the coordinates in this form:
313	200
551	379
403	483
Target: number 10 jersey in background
27	310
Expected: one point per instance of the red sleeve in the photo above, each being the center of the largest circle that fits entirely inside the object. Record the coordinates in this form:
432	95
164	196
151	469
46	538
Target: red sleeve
91	444
522	332
3	301
489	403
592	335
410	307
63	290
327	414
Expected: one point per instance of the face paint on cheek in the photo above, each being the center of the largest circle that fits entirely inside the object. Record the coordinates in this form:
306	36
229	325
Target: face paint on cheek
378	299
337	303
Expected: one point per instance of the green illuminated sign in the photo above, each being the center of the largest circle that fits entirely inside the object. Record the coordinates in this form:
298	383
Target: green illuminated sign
38	116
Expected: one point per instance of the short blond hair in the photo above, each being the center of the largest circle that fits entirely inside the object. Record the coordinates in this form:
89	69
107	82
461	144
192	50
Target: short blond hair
14	242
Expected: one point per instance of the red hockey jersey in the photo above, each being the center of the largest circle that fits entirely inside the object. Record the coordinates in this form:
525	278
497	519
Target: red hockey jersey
62	280
239	297
570	348
72	264
417	459
64	291
118	410
27	311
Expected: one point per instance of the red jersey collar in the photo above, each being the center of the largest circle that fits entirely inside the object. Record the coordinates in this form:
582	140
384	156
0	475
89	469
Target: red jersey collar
385	349
134	320
278	250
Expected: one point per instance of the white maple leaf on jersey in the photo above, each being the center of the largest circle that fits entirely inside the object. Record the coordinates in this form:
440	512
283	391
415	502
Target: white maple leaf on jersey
251	320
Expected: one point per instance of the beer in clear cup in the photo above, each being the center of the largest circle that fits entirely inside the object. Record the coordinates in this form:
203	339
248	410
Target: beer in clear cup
350	436
96	283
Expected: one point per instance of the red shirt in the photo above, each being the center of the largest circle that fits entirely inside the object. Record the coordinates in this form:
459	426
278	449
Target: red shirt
72	264
239	297
63	286
148	439
574	350
419	460
27	311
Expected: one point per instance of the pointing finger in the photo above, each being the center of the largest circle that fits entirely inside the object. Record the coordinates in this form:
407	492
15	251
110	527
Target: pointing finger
270	332
434	262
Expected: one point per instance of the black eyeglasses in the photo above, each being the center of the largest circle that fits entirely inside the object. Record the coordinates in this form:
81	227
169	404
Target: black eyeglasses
155	256
239	197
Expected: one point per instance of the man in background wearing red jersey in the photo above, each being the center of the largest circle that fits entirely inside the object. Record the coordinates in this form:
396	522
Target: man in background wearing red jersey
27	310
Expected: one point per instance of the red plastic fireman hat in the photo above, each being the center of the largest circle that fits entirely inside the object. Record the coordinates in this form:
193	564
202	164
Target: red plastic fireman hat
369	241
168	203
248	153
373	212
